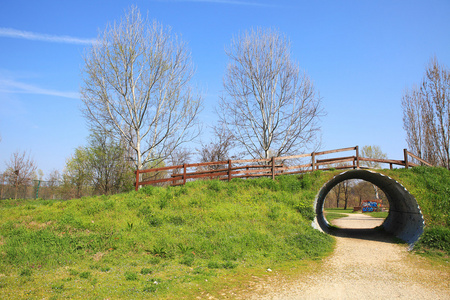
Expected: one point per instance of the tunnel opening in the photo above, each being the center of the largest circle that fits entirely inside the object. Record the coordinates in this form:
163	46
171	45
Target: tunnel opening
404	220
355	204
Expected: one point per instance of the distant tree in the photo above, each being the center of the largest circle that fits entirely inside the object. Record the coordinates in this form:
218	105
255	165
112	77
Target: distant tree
54	178
426	115
180	156
219	149
111	171
136	85
78	172
372	152
270	106
20	170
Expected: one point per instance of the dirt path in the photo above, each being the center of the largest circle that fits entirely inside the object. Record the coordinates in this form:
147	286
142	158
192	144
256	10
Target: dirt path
365	265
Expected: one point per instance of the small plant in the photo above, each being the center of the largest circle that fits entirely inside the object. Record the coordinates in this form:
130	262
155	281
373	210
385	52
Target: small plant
146	271
130	226
130	275
159	251
105	269
184	248
26	272
85	275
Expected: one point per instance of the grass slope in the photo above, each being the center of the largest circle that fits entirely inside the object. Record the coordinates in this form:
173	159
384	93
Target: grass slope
159	242
431	188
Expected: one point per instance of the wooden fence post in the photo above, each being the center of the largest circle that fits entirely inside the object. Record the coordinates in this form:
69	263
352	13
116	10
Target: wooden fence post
405	154
273	168
137	180
184	174
357	156
229	170
313	159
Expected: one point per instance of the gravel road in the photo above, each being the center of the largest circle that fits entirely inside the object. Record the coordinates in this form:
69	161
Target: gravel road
366	264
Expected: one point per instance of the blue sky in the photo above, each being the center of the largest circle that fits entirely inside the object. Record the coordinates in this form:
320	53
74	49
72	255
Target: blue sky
361	56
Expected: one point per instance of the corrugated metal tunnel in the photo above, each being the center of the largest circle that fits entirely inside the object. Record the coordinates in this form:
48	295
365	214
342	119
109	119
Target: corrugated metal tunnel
405	219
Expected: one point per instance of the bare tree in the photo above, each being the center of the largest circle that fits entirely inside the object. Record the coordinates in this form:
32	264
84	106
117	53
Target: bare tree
426	115
337	192
270	105
219	149
136	86
20	170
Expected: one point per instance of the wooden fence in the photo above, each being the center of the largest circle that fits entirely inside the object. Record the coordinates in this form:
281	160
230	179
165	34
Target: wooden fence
246	168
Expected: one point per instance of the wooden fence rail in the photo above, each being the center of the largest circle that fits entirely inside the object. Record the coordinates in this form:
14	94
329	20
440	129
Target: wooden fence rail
247	168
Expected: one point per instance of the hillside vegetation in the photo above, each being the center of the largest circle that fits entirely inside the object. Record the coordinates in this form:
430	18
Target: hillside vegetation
431	188
182	241
164	242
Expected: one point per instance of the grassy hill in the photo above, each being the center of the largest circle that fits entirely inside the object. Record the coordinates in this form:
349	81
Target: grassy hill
180	242
158	242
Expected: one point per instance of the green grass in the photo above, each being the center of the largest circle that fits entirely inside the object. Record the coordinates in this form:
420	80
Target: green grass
330	216
158	242
339	210
183	242
431	188
336	213
378	214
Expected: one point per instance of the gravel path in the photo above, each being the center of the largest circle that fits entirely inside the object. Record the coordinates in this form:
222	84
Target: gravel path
365	265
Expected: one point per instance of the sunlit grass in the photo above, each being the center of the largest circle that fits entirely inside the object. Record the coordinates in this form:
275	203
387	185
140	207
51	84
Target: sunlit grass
158	242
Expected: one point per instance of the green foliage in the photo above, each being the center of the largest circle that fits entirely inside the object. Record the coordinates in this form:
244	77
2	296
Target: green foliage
188	234
435	238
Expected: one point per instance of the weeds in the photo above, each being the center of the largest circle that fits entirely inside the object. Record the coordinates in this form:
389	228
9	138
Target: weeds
194	233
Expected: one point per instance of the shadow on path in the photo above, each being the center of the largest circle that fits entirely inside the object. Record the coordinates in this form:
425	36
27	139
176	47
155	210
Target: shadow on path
374	234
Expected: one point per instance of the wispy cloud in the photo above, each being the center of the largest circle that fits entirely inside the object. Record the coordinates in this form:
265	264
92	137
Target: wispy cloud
12	86
21	34
232	2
